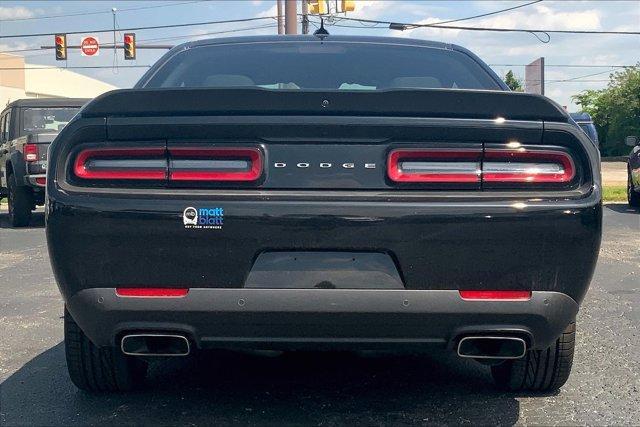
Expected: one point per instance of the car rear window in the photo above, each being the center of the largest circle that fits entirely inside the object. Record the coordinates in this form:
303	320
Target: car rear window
321	66
43	119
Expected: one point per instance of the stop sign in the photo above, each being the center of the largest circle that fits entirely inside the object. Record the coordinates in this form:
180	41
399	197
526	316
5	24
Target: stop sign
89	46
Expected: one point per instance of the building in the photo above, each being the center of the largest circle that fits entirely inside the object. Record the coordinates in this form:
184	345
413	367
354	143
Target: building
19	80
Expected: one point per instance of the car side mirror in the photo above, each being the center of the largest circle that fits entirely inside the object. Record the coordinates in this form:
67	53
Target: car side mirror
632	141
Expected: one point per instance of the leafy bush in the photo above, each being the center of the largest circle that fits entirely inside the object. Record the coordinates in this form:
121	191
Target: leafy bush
615	110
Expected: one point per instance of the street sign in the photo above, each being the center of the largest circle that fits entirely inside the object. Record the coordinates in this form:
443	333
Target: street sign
89	46
534	77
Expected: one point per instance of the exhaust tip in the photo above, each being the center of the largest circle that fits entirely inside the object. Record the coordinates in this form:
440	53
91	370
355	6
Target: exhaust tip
155	345
492	347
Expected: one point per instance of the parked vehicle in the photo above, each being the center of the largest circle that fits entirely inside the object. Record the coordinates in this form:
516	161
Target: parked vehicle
27	126
342	192
633	172
583	120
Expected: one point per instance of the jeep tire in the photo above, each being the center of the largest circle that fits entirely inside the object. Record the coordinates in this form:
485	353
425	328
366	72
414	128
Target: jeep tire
20	203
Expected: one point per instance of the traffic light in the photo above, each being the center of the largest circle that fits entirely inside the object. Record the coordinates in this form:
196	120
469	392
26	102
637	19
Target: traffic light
129	46
348	5
318	7
61	47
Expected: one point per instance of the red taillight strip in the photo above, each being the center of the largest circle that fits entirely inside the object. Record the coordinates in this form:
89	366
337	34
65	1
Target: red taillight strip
41	181
430	158
152	292
254	172
80	165
496	295
533	174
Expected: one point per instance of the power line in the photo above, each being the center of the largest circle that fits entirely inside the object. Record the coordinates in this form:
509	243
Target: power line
491	29
257	27
32	18
32	49
566	65
581	77
486	14
152	27
448	21
578	81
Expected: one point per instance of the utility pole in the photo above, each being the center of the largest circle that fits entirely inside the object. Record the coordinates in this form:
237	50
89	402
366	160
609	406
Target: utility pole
305	18
280	20
290	16
113	11
115	50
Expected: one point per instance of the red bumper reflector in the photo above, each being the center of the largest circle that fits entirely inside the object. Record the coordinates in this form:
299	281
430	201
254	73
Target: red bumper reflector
495	295
152	292
41	181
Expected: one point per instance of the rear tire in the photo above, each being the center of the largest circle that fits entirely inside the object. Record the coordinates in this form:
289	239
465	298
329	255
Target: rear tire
632	196
539	370
99	369
20	203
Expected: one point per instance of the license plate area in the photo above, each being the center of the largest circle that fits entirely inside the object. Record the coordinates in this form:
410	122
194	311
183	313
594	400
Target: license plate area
324	270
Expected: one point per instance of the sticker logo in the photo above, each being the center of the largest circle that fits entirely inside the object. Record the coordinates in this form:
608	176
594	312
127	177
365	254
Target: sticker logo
203	218
190	216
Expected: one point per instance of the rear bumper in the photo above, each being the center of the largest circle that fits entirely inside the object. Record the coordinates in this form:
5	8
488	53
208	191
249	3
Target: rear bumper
37	181
321	318
474	245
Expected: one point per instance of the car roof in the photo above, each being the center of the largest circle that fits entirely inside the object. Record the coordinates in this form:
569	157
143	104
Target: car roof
49	102
316	39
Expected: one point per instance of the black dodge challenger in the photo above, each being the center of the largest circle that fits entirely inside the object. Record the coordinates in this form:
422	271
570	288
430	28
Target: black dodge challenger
322	193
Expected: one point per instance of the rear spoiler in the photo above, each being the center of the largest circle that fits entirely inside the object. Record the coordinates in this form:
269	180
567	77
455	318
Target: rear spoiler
449	103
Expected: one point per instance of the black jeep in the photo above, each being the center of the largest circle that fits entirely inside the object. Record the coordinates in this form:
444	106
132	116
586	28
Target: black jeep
27	127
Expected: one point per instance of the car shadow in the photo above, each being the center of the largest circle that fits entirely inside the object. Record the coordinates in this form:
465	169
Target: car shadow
37	220
292	388
622	208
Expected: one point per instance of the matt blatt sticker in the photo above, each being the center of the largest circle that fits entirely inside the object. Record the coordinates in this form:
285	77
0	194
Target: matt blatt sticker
203	218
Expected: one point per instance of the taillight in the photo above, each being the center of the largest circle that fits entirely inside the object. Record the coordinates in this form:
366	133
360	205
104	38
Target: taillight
526	166
495	295
493	167
41	181
434	165
31	152
178	164
145	163
238	164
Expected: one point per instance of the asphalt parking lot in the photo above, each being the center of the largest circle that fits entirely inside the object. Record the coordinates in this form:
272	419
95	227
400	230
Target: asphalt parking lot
319	388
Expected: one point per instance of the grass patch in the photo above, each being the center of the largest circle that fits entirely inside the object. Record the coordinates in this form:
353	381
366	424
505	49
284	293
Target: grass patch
614	193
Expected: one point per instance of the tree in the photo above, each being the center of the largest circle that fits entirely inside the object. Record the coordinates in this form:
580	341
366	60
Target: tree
615	110
514	83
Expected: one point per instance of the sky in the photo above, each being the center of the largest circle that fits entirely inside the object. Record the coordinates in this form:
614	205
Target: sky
502	51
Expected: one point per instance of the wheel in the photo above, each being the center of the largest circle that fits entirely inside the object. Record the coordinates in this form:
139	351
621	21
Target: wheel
99	369
539	370
20	203
632	196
